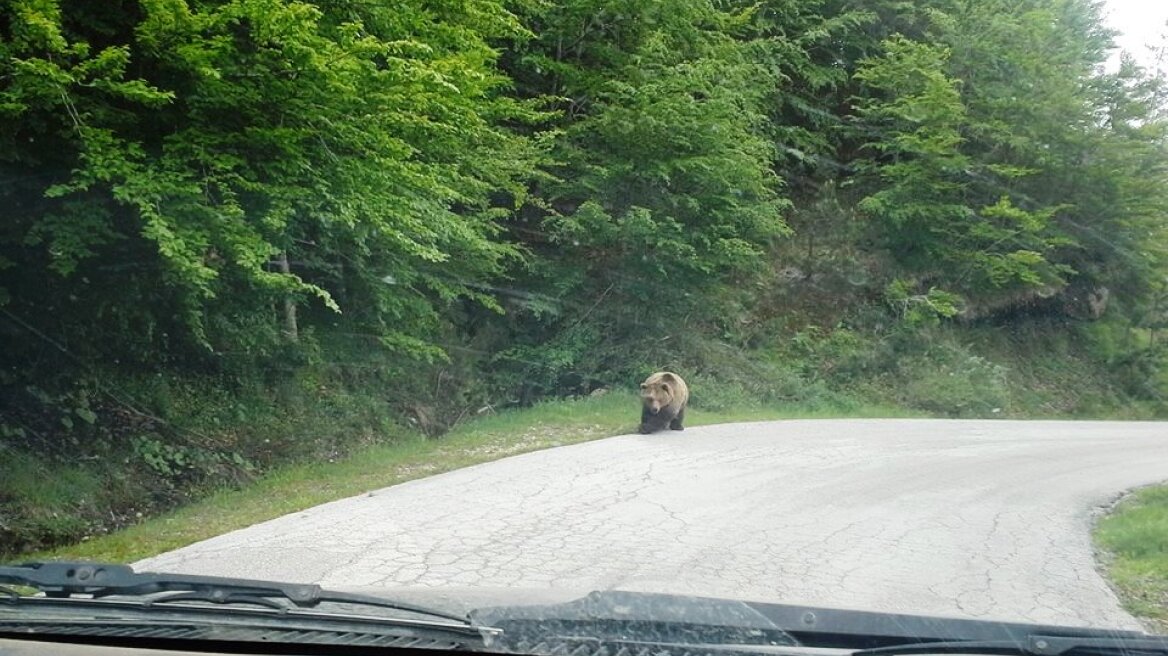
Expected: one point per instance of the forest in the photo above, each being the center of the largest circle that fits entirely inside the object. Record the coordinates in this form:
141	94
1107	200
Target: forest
239	233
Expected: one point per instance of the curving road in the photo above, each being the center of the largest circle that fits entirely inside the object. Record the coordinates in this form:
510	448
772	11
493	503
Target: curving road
986	519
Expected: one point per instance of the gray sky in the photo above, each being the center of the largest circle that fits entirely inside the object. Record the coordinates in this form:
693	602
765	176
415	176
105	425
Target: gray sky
1140	21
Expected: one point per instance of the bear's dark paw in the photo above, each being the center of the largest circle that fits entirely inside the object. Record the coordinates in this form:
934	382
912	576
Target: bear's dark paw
677	428
645	430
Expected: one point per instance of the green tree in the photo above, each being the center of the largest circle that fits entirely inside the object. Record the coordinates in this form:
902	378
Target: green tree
662	189
168	156
936	204
1001	161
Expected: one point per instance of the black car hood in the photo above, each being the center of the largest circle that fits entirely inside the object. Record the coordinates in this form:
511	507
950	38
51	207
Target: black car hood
619	614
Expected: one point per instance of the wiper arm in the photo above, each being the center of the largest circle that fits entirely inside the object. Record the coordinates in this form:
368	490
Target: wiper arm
1034	645
66	579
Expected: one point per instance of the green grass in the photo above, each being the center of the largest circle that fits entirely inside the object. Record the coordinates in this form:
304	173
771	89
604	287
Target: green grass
45	505
24	473
296	487
1134	541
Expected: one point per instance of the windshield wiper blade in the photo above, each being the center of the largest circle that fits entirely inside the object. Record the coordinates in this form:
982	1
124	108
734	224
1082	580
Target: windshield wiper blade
1034	645
67	579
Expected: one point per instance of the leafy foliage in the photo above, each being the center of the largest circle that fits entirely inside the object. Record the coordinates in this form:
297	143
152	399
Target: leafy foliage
662	189
363	144
928	200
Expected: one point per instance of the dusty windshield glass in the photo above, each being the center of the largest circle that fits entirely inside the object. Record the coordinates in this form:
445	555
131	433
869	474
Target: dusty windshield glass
856	305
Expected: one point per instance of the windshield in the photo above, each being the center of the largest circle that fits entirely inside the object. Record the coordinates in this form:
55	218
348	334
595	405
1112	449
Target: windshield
832	304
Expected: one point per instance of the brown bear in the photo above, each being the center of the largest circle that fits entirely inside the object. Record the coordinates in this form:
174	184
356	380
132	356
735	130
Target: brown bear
663	398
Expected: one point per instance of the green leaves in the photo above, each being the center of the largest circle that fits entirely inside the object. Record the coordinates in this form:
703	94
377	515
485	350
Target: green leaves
920	309
346	132
663	168
933	179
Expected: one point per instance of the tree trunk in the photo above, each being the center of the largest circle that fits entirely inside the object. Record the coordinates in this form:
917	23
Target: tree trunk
290	328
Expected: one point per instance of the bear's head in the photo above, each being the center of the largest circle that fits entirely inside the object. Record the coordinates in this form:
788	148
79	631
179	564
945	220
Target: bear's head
657	392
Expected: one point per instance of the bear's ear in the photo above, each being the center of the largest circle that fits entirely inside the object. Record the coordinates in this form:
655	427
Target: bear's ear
669	377
644	386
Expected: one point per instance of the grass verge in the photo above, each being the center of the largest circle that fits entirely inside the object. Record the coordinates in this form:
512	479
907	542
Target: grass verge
1134	542
296	487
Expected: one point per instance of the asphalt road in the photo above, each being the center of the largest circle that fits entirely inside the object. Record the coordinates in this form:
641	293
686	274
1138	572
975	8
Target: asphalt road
984	519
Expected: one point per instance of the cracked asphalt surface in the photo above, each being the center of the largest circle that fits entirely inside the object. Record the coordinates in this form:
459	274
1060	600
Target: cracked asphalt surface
983	519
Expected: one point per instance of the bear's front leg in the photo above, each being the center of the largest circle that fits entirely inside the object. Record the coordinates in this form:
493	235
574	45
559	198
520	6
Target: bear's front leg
651	423
646	421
